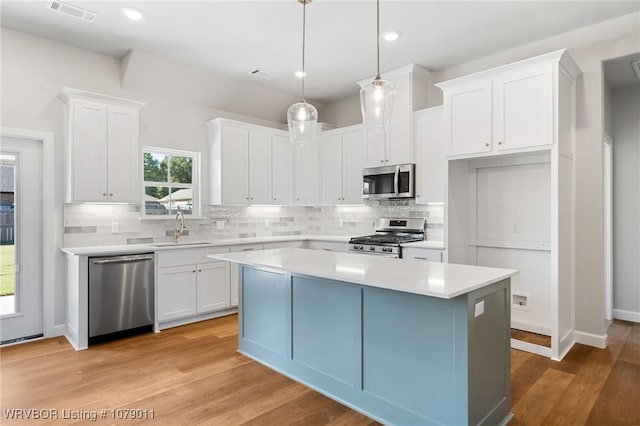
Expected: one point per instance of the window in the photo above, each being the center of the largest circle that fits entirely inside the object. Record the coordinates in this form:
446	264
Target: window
170	182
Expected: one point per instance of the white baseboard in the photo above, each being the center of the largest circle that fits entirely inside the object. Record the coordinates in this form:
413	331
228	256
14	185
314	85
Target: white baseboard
57	330
531	328
595	340
531	347
626	315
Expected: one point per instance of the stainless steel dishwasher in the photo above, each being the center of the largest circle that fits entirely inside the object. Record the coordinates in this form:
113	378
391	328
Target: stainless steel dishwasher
121	296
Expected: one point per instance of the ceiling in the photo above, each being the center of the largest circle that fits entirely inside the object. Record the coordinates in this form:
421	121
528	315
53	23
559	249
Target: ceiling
233	38
619	72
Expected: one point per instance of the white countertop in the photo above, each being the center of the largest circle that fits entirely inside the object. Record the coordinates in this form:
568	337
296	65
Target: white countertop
153	247
443	280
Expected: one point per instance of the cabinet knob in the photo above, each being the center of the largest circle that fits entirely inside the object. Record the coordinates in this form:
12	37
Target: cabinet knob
199	270
252	198
194	271
274	198
297	199
246	198
486	144
111	194
499	142
382	161
104	194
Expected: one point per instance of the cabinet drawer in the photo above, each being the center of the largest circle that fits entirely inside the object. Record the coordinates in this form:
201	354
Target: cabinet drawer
245	247
423	254
187	256
329	246
284	244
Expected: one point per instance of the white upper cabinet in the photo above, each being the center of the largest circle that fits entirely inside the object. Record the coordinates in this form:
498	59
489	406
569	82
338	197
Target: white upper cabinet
306	173
234	160
249	164
396	146
431	161
506	109
343	157
282	170
259	168
467	111
523	114
102	143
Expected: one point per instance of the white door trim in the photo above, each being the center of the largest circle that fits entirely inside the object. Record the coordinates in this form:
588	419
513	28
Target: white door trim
48	223
608	226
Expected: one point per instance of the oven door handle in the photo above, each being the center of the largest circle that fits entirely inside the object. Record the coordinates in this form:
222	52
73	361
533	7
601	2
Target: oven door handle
395	180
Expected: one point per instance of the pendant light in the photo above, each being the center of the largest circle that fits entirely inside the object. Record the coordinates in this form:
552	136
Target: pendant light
301	116
376	99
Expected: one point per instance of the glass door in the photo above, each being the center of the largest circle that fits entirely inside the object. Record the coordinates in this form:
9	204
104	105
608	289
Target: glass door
21	239
8	259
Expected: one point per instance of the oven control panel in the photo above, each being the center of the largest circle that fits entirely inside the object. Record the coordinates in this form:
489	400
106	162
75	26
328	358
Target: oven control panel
391	251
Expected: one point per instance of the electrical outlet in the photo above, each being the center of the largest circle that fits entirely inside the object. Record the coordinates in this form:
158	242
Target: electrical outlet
479	310
219	224
516	228
115	227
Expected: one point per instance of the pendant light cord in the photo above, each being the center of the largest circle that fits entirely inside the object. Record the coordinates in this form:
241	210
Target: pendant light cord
377	38
304	34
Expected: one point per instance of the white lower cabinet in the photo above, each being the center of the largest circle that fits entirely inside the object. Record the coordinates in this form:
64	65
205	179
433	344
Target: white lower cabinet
433	255
192	289
328	246
190	284
212	288
176	292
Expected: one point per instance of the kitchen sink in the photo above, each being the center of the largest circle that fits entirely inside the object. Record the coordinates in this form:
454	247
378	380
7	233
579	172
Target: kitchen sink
194	243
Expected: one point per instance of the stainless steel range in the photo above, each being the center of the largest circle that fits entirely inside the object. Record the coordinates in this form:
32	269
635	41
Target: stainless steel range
390	233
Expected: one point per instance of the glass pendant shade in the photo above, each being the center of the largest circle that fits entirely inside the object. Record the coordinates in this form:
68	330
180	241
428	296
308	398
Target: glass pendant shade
302	119
376	100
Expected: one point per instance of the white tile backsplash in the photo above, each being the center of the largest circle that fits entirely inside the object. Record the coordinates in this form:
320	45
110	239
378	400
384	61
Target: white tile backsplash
90	224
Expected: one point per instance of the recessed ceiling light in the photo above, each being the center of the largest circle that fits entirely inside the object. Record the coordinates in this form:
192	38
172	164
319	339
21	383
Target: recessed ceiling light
133	14
300	74
390	35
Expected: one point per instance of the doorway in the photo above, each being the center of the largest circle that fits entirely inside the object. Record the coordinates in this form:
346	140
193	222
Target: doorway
622	243
21	239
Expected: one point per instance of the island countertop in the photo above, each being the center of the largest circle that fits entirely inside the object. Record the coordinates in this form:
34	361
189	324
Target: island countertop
442	280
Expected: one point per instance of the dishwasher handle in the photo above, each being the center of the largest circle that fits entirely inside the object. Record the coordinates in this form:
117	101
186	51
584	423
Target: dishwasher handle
122	259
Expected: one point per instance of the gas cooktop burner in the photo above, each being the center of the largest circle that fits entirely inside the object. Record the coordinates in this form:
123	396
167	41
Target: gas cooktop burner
383	239
390	233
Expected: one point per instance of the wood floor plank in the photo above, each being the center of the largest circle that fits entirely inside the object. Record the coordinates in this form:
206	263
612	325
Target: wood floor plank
619	401
193	375
631	349
537	402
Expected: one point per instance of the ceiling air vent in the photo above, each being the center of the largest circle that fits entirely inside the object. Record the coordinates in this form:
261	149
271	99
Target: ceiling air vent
71	10
636	67
264	74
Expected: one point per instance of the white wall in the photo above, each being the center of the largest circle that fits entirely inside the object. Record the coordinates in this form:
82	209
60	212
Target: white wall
179	102
345	112
626	202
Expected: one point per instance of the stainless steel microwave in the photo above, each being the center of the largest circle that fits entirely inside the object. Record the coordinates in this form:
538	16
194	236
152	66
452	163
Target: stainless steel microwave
389	182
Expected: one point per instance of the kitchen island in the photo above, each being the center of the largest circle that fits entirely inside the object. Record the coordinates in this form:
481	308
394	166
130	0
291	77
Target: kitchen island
405	342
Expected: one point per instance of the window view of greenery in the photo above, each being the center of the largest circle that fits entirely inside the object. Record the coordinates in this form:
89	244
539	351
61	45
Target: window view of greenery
168	183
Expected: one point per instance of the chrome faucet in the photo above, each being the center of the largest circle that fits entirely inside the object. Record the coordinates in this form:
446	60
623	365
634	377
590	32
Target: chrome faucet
180	227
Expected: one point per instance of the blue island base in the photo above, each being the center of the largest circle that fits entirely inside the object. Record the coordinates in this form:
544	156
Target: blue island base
396	357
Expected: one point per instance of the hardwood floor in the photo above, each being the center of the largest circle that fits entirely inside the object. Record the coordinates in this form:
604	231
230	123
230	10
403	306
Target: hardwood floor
193	375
